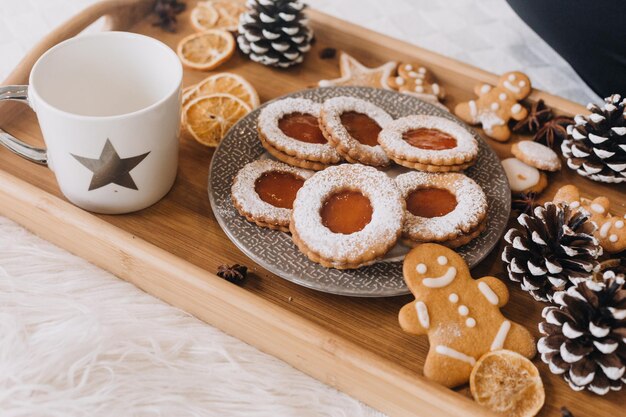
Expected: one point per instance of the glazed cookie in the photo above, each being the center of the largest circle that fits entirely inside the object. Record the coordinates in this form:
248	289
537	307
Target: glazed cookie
429	143
357	74
536	155
443	208
289	130
352	125
495	106
523	178
263	192
347	216
611	230
416	80
460	315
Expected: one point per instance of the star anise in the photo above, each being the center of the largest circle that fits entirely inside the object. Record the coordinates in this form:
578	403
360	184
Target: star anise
235	274
524	203
538	114
166	11
552	132
328	53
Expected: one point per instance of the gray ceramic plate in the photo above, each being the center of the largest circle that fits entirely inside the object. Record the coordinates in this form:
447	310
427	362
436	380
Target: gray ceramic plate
276	252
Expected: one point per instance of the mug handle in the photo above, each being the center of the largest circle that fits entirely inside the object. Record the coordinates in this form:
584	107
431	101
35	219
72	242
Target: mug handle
39	156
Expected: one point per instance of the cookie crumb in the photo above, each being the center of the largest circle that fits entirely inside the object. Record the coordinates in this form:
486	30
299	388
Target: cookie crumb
328	53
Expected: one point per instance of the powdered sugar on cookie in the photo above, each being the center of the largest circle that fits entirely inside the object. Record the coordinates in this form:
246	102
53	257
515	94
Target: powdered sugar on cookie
536	155
271	132
392	141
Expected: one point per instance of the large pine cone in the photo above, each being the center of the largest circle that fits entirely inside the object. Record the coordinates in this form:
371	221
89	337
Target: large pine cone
596	144
275	32
551	250
585	336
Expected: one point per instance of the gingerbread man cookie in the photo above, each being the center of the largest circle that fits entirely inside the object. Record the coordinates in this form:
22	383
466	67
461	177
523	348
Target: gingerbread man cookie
611	230
495	106
416	80
460	315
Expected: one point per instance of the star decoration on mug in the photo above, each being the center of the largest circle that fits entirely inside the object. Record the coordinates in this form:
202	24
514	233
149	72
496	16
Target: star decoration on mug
109	168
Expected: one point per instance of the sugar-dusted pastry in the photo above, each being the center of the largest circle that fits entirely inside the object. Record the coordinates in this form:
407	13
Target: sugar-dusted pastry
351	126
355	73
460	315
263	192
347	216
495	106
611	231
417	80
289	131
537	155
429	143
447	208
523	178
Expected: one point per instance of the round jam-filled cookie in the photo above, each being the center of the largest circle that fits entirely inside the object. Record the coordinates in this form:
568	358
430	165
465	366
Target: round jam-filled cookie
523	178
347	216
445	208
460	315
263	192
352	126
536	155
429	142
289	130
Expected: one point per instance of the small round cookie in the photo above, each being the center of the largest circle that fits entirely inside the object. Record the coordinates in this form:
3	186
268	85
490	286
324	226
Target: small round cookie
429	140
536	155
523	178
291	127
347	216
445	208
263	192
351	126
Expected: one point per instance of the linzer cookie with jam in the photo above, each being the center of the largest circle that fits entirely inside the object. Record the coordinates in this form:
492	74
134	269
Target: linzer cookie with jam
446	208
289	130
351	126
263	192
347	216
429	143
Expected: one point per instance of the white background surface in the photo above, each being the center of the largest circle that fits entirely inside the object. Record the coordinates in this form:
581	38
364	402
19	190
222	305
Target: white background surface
74	340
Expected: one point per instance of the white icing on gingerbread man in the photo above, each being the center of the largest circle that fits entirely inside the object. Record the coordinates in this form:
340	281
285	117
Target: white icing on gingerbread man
460	315
495	106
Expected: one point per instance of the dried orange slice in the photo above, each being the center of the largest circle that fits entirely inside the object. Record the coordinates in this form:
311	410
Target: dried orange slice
206	50
507	383
204	16
208	118
225	82
229	12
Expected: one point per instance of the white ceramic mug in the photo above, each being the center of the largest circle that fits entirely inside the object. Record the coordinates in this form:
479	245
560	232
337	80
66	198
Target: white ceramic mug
109	108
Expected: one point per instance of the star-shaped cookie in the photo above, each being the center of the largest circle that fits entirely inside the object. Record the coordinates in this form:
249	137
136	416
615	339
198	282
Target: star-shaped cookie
355	73
109	168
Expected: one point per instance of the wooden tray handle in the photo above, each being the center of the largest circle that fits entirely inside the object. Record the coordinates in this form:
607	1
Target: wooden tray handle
119	15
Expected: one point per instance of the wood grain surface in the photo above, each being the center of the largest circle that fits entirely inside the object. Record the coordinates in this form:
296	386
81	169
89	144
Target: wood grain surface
172	248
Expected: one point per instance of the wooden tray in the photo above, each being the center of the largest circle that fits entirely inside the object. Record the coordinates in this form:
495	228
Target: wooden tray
171	250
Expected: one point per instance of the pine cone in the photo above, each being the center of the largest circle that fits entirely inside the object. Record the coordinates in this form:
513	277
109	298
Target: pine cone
585	336
275	32
551	250
596	144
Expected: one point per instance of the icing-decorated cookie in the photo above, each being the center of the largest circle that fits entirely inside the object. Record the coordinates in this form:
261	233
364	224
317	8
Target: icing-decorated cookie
445	208
352	126
537	155
460	315
289	130
417	80
523	178
429	143
611	231
263	192
495	106
355	73
347	216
